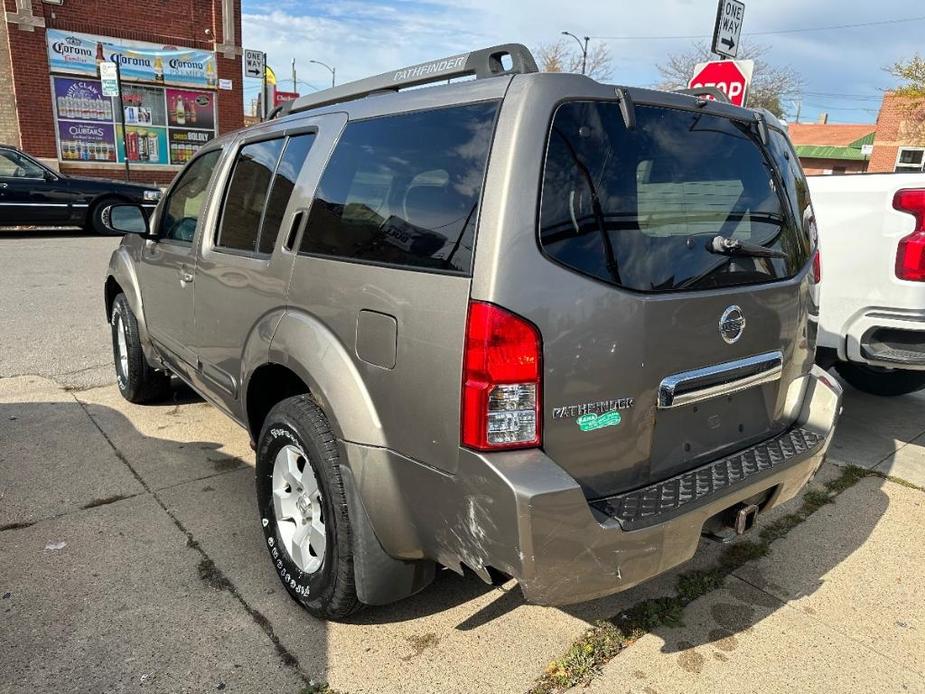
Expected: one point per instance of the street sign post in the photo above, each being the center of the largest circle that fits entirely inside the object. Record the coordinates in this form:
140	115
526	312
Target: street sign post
111	79
731	77
729	16
254	63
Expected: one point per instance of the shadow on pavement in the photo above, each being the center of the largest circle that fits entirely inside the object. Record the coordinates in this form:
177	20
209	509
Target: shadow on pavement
213	503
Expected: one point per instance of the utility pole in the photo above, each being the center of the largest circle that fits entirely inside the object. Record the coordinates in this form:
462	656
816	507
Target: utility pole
293	76
799	105
584	49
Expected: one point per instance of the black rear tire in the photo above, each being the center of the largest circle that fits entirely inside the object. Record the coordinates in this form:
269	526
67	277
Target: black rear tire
95	217
885	382
329	591
137	381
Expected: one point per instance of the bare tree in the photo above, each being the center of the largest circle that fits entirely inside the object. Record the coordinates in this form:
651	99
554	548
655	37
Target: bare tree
772	86
562	57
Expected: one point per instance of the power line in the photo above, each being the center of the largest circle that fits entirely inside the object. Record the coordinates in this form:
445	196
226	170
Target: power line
833	27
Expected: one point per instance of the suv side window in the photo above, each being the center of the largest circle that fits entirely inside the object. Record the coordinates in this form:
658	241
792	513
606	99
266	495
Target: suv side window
261	185
404	190
247	194
181	212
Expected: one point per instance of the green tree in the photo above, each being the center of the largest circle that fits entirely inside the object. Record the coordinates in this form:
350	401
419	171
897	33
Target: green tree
911	74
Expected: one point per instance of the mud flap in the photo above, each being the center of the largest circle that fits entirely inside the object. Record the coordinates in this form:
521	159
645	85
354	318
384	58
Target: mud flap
380	578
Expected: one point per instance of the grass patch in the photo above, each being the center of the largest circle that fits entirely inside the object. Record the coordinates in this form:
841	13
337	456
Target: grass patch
319	688
606	638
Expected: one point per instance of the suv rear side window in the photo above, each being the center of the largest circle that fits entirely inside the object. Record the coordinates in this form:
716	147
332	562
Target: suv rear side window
404	190
638	208
264	177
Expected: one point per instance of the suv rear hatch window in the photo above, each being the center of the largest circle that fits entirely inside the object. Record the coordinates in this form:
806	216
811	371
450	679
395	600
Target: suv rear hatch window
639	208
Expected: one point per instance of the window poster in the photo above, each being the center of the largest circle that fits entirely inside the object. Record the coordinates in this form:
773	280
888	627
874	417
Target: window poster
142	144
143	105
189	109
82	100
185	143
164	126
86	141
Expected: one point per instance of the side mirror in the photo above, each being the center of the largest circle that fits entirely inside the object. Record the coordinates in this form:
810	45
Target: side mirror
126	219
49	176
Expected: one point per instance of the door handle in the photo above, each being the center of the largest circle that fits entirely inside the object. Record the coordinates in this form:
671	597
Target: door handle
186	277
4	185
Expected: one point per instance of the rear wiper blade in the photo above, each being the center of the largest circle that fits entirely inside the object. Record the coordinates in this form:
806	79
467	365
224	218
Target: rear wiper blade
723	245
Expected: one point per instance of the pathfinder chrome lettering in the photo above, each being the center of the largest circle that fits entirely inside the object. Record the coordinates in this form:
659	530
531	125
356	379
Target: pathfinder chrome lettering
600	407
431	68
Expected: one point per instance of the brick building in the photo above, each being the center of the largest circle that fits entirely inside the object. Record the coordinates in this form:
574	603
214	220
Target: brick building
826	148
180	63
899	145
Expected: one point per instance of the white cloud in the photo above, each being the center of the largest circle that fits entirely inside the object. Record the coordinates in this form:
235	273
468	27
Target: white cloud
362	38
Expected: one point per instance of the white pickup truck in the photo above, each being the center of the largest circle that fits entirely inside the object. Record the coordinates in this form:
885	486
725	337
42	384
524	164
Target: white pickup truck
872	248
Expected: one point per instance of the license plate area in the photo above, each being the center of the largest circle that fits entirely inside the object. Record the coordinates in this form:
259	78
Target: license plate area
689	435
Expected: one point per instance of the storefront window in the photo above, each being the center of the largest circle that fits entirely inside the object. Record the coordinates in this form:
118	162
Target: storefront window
167	100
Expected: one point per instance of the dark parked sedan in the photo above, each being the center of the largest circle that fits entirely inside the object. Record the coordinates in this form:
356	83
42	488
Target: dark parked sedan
31	194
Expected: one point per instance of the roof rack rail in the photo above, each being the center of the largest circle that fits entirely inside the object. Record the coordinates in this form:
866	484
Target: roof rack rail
485	62
703	92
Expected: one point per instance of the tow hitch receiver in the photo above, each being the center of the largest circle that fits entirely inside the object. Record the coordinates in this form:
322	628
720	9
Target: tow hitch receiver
734	521
745	518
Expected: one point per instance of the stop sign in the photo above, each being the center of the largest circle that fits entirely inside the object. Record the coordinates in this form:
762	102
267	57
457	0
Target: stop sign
729	76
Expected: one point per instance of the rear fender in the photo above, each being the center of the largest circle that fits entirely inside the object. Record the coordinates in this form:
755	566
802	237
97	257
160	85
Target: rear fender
309	349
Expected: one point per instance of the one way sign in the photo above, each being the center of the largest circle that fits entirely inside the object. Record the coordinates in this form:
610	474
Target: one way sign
729	16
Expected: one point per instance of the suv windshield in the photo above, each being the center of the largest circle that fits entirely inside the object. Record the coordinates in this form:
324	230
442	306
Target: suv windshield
640	207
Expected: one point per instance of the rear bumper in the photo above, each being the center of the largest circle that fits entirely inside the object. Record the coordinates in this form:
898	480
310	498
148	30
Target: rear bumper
890	338
521	514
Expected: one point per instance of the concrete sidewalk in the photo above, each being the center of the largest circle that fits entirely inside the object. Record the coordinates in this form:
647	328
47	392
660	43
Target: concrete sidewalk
130	558
828	610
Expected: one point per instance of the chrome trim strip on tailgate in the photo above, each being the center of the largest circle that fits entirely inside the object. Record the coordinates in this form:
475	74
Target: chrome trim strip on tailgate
722	379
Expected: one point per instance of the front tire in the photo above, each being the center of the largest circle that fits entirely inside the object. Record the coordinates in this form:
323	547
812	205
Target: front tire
884	382
137	381
303	509
95	218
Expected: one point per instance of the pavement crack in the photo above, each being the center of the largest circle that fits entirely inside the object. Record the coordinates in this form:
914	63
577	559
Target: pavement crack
17	526
105	501
208	571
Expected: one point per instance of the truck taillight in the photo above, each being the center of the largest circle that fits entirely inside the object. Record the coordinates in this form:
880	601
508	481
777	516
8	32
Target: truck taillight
501	380
817	267
910	255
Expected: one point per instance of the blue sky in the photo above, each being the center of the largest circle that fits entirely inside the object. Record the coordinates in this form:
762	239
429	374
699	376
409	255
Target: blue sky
842	69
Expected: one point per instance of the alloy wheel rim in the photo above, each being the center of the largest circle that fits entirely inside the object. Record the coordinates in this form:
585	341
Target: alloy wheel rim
297	503
122	348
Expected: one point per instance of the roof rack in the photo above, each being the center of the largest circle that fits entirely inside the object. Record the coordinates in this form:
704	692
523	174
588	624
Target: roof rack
703	92
485	62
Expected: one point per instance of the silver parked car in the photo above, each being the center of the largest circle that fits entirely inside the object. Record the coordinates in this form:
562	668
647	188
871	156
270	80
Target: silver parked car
526	324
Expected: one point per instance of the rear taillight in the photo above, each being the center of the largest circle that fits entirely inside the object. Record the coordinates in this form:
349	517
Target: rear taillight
817	267
501	380
910	255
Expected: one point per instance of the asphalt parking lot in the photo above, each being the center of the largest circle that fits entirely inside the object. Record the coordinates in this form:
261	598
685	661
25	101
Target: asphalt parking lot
131	559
